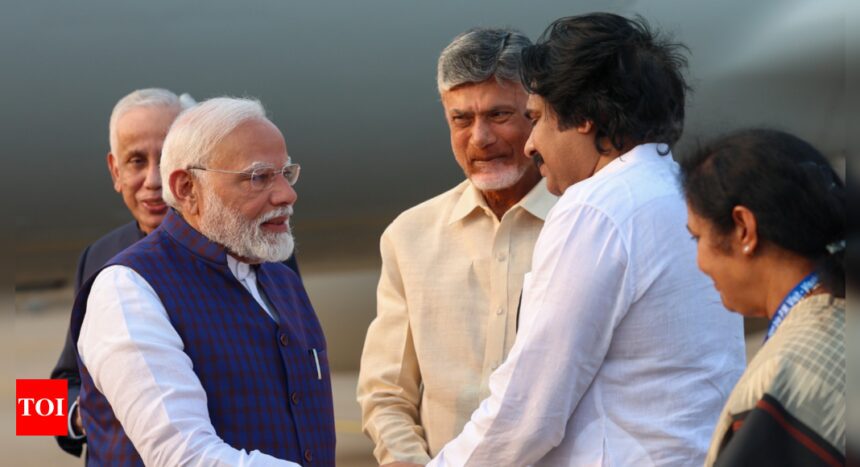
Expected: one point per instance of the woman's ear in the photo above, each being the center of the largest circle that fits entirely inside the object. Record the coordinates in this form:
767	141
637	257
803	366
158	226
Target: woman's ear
745	234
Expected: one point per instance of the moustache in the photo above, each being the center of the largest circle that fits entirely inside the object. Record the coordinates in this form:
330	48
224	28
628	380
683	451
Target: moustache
538	160
286	211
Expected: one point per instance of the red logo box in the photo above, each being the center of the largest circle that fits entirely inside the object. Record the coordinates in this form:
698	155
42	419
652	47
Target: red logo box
40	407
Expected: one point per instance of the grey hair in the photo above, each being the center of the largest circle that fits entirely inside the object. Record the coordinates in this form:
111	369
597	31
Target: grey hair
149	97
195	133
480	54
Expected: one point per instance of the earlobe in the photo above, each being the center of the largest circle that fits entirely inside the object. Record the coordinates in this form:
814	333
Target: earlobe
746	229
585	127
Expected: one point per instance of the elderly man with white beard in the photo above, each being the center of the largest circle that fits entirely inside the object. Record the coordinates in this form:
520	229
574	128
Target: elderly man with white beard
196	345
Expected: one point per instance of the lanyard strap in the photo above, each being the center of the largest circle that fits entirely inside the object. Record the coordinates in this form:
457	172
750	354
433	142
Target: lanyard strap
796	295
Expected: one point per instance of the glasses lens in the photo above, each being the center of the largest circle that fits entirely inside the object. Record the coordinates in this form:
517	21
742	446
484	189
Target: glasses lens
291	173
262	178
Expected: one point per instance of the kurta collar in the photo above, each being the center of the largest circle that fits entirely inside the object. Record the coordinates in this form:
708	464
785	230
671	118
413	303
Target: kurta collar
642	152
537	202
175	226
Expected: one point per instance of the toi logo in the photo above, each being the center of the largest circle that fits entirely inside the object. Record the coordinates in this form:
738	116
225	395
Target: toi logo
40	407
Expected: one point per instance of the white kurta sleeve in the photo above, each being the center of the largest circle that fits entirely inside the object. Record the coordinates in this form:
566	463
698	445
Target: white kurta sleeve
579	289
136	360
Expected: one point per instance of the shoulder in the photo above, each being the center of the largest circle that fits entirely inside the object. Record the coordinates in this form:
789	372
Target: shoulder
630	187
812	332
109	245
114	241
434	211
807	352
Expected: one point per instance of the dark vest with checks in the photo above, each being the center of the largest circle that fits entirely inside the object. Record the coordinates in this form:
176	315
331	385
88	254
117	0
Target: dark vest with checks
263	386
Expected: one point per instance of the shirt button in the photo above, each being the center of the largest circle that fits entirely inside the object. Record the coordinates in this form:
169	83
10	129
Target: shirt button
294	397
500	311
308	456
284	339
501	257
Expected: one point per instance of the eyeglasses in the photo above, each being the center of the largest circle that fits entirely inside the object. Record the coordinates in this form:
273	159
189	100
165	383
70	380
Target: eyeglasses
264	177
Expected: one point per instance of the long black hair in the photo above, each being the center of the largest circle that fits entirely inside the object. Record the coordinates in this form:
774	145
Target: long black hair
797	198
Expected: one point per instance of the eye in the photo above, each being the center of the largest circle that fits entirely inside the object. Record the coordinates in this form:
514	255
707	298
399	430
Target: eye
261	178
500	116
460	120
137	161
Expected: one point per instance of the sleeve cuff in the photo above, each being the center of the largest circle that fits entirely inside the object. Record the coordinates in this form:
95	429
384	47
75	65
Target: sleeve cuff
72	432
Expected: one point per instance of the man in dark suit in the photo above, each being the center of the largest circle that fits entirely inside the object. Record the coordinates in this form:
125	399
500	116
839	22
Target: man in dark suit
138	125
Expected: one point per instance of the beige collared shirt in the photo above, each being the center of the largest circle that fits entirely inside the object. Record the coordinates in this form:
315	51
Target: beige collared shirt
447	304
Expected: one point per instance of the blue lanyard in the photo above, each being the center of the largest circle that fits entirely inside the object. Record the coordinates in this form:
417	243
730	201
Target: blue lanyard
797	293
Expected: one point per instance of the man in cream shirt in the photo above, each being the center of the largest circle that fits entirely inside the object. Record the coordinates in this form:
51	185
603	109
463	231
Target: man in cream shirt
452	267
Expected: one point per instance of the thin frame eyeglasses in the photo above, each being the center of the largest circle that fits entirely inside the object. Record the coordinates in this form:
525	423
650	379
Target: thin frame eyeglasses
264	177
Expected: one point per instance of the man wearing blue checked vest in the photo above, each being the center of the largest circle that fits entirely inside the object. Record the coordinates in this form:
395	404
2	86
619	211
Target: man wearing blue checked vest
196	345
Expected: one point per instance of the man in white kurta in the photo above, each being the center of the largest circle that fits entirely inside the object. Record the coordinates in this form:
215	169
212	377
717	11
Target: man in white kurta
624	354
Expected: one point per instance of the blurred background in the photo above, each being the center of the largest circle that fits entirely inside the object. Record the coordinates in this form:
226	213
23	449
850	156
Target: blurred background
352	85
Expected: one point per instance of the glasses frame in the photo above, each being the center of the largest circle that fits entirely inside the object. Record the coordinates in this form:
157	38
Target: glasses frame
293	168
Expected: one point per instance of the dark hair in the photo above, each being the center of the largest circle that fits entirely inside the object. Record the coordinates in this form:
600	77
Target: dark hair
614	72
798	200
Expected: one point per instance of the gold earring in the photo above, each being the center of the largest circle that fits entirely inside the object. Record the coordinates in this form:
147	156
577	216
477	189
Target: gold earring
746	249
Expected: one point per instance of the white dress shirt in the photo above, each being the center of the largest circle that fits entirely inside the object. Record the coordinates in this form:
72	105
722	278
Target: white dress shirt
625	354
136	360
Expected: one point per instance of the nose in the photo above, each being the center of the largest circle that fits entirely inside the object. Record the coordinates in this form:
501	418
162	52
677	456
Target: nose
482	134
153	177
530	149
283	193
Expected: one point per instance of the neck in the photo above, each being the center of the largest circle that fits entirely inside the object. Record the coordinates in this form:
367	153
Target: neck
500	201
784	276
603	159
242	259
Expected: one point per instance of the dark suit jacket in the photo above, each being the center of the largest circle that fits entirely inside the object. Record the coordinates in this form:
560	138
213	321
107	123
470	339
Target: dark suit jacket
90	262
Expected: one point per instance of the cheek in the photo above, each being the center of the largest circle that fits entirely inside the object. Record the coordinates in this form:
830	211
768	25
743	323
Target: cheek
459	144
131	181
515	134
708	263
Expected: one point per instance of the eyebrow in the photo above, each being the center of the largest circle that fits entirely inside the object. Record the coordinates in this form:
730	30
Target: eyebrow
496	108
264	165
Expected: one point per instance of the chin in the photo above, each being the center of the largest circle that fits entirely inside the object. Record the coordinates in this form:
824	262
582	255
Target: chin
735	307
498	180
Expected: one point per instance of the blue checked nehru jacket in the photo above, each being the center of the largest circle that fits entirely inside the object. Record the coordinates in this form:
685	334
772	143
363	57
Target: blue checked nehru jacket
260	377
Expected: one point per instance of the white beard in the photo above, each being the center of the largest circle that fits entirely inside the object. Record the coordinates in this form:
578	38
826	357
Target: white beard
501	178
246	239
